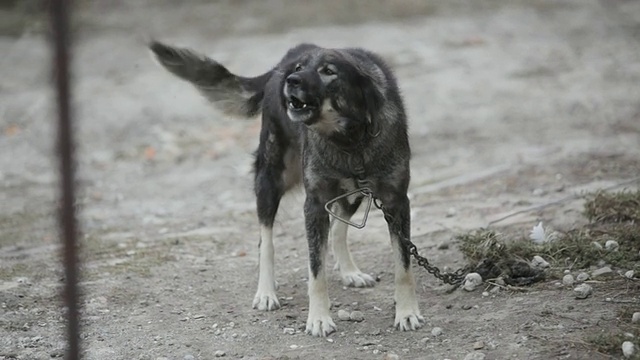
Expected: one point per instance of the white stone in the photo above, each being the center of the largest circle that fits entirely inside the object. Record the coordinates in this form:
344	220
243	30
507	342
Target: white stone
343	315
630	274
611	245
219	353
635	318
289	331
582	277
476	355
568	280
539	262
597	245
356	316
628	349
582	291
472	281
602	272
436	331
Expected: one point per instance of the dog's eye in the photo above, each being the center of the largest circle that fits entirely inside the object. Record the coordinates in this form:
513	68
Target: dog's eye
329	70
298	67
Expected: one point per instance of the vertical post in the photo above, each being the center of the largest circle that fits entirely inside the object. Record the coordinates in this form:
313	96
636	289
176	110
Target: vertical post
68	226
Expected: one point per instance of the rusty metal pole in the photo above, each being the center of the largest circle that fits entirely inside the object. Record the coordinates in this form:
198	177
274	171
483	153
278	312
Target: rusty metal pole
68	224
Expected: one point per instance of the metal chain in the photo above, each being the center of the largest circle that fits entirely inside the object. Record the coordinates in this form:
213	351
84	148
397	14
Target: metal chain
452	278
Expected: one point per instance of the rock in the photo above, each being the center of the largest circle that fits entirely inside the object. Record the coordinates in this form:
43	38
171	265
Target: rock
602	272
391	356
451	212
219	353
630	274
628	349
582	277
478	345
485	293
343	315
568	280
582	291
356	316
436	331
539	263
472	281
611	245
537	192
597	245
476	355
635	318
189	357
289	331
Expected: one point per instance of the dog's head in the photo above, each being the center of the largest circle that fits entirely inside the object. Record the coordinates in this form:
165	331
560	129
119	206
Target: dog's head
333	91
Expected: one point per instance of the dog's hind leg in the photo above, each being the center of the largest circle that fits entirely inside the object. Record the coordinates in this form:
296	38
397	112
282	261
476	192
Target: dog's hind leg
398	218
319	322
349	271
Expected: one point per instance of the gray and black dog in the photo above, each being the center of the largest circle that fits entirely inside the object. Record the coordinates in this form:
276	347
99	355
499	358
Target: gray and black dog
334	120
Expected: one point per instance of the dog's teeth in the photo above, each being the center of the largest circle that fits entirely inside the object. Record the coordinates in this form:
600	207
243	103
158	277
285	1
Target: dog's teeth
304	106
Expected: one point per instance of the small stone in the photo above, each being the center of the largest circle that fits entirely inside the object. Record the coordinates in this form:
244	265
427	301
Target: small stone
630	274
451	212
200	316
582	277
567	271
376	351
567	280
602	272
219	353
391	356
436	331
217	332
628	349
293	346
635	318
485	293
443	246
611	245
539	262
343	315
476	355
537	192
289	331
188	357
478	345
582	291
597	245
356	316
472	281
330	340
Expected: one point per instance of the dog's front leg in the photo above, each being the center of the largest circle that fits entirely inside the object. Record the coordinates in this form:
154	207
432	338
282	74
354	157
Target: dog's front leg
319	322
398	218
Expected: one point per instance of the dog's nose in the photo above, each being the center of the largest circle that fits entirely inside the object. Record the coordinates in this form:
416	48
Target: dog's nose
294	80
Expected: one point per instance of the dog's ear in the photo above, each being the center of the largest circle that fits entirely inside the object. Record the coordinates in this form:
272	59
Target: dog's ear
373	100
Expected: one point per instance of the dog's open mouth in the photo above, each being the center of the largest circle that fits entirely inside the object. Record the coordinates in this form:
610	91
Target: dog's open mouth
296	104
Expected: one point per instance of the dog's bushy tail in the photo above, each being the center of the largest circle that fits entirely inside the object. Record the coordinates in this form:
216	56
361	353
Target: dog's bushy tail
234	95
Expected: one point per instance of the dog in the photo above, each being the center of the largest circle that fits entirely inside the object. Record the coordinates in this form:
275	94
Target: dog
334	120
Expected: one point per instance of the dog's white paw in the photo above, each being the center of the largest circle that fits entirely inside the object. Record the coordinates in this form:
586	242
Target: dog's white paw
408	320
266	301
321	325
358	279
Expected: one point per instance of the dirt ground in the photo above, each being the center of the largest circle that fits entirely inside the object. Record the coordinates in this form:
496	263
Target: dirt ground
511	104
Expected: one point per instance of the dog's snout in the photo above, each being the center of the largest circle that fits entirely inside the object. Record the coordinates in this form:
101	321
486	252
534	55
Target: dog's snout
294	80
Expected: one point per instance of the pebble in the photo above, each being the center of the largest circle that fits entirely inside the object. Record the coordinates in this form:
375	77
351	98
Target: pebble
602	272
356	316
476	355
189	357
635	318
485	293
628	349
472	281
478	345
568	280
567	271
289	331
219	353
582	277
343	315
630	274
451	212
391	356
537	192
436	331
611	245
539	262
582	291
597	245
